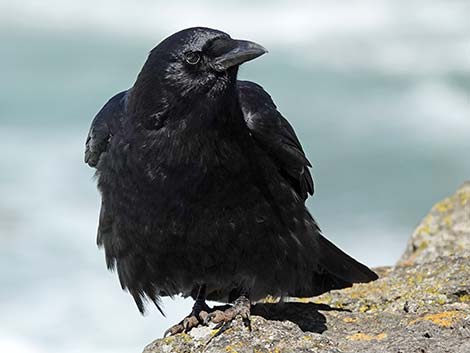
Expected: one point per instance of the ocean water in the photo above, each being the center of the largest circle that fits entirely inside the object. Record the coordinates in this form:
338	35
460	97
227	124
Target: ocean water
378	92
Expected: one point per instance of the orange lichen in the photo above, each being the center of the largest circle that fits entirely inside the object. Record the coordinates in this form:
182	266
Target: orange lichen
444	319
365	337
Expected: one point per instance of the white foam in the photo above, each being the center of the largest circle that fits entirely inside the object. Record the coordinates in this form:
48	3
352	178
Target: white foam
278	20
390	35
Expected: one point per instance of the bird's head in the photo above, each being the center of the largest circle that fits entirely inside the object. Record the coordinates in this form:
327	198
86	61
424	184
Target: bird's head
198	61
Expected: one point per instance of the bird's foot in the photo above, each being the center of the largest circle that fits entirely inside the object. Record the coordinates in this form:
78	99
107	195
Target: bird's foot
223	319
197	317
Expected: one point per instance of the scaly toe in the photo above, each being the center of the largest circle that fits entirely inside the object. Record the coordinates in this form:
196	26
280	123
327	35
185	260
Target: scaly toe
241	307
173	330
190	322
203	316
215	317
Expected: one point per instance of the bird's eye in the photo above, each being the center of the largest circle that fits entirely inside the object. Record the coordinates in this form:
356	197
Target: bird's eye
192	58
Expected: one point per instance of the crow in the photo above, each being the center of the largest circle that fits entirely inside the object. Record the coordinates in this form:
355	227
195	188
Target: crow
203	185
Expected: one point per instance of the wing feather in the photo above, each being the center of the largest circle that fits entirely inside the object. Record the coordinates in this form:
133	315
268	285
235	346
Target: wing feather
275	135
105	123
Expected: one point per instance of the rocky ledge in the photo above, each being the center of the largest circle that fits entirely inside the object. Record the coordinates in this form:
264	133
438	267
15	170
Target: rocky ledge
420	305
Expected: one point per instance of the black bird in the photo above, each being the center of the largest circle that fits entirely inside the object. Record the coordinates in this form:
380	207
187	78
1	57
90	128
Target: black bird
203	186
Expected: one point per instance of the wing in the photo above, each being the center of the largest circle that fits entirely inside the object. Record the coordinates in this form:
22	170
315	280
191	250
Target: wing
275	136
103	127
105	123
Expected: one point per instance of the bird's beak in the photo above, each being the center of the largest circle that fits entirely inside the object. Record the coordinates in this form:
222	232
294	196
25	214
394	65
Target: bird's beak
241	51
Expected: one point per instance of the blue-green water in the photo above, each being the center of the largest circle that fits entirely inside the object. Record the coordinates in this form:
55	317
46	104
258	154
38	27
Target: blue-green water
379	96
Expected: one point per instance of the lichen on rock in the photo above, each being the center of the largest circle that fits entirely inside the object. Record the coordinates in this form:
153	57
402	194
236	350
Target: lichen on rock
421	305
445	231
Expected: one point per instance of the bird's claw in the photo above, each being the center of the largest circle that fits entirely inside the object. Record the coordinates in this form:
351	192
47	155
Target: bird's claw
173	330
224	319
188	323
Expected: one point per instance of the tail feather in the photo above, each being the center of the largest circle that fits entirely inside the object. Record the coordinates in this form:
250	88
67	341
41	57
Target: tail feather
342	266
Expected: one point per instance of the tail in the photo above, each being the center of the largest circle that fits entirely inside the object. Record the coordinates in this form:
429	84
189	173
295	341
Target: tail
341	265
336	270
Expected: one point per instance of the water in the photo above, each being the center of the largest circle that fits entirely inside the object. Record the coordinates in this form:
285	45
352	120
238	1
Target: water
378	92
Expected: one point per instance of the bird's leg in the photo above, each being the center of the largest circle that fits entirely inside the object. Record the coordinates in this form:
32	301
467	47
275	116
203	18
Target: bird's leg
223	319
197	316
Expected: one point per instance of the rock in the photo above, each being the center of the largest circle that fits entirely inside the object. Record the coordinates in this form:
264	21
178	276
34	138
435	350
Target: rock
445	231
421	305
266	336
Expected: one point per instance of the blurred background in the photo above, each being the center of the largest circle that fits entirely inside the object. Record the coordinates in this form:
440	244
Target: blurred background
377	90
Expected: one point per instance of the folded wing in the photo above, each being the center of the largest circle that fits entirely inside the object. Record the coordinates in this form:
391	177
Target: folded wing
275	136
105	123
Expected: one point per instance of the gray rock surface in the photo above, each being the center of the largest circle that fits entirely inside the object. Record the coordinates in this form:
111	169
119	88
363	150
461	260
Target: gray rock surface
445	231
421	305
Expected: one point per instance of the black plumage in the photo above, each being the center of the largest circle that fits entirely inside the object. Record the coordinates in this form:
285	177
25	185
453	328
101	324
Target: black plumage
204	183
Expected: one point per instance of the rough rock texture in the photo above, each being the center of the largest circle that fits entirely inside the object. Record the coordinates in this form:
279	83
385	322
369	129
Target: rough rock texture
422	305
445	231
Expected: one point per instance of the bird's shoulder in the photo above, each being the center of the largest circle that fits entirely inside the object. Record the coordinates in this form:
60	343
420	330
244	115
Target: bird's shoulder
105	124
275	135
